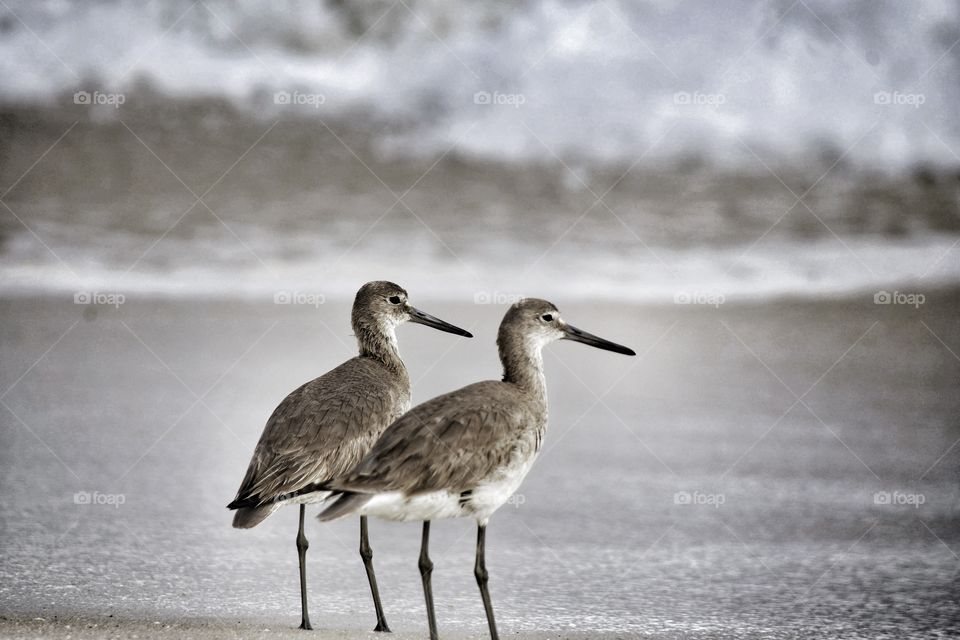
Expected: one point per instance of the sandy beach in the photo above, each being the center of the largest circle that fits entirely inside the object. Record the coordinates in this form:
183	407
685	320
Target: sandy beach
685	493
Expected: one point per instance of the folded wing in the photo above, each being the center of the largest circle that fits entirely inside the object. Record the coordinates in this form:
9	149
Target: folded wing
452	442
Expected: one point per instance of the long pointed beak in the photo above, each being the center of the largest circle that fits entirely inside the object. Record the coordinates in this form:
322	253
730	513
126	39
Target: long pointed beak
570	332
420	317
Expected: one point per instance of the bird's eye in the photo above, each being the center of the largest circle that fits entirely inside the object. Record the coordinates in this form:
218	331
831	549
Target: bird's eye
394	299
547	317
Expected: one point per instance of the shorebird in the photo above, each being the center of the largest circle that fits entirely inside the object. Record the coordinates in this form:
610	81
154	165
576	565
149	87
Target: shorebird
324	428
463	454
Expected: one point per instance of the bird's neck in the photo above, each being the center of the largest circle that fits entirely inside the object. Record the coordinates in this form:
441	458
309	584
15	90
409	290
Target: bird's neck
522	360
379	341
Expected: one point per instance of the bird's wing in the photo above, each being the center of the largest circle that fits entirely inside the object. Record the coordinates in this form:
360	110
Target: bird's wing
321	430
452	442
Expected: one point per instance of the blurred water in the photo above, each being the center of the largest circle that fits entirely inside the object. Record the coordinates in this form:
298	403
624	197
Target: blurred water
603	183
112	206
783	536
594	80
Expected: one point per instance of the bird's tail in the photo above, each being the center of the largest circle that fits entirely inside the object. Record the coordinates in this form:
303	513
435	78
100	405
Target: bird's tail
345	504
248	517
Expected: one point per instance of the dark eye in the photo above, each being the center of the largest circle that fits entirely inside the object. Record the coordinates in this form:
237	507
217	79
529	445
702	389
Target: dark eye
394	299
547	317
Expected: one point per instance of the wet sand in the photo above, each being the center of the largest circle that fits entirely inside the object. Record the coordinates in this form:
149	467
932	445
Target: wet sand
685	493
81	628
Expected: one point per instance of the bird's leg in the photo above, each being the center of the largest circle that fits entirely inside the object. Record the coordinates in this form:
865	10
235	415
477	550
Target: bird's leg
480	571
302	546
366	552
426	568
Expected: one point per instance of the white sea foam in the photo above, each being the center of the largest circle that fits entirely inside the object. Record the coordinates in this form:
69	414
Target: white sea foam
712	276
602	81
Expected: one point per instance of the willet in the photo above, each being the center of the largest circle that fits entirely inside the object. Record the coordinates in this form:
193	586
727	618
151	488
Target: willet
463	454
323	429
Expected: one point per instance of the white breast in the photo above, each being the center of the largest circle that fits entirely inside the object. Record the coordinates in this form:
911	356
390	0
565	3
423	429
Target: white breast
479	503
491	495
426	506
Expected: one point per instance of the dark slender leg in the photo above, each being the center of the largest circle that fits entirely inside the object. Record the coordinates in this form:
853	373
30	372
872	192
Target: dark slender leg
367	554
302	546
426	568
480	571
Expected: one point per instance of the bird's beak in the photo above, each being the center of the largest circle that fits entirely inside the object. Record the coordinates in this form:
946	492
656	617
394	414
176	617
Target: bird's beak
420	317
570	332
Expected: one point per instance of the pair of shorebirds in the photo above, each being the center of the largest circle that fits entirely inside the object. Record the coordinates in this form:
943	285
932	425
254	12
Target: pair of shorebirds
348	439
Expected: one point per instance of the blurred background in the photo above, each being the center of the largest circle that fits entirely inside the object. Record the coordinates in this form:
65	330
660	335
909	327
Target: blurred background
762	198
637	149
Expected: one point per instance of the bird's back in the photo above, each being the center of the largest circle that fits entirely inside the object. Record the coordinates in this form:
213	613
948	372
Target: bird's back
453	442
320	431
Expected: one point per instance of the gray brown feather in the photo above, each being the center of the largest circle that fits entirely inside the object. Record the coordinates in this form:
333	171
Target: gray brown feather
453	442
249	517
322	430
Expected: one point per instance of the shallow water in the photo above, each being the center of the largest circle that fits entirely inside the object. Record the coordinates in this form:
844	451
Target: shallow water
677	496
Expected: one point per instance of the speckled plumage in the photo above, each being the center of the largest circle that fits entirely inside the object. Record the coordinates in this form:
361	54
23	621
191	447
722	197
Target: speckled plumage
323	429
451	442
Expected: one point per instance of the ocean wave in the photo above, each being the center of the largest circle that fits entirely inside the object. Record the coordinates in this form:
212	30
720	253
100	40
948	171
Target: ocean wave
597	81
